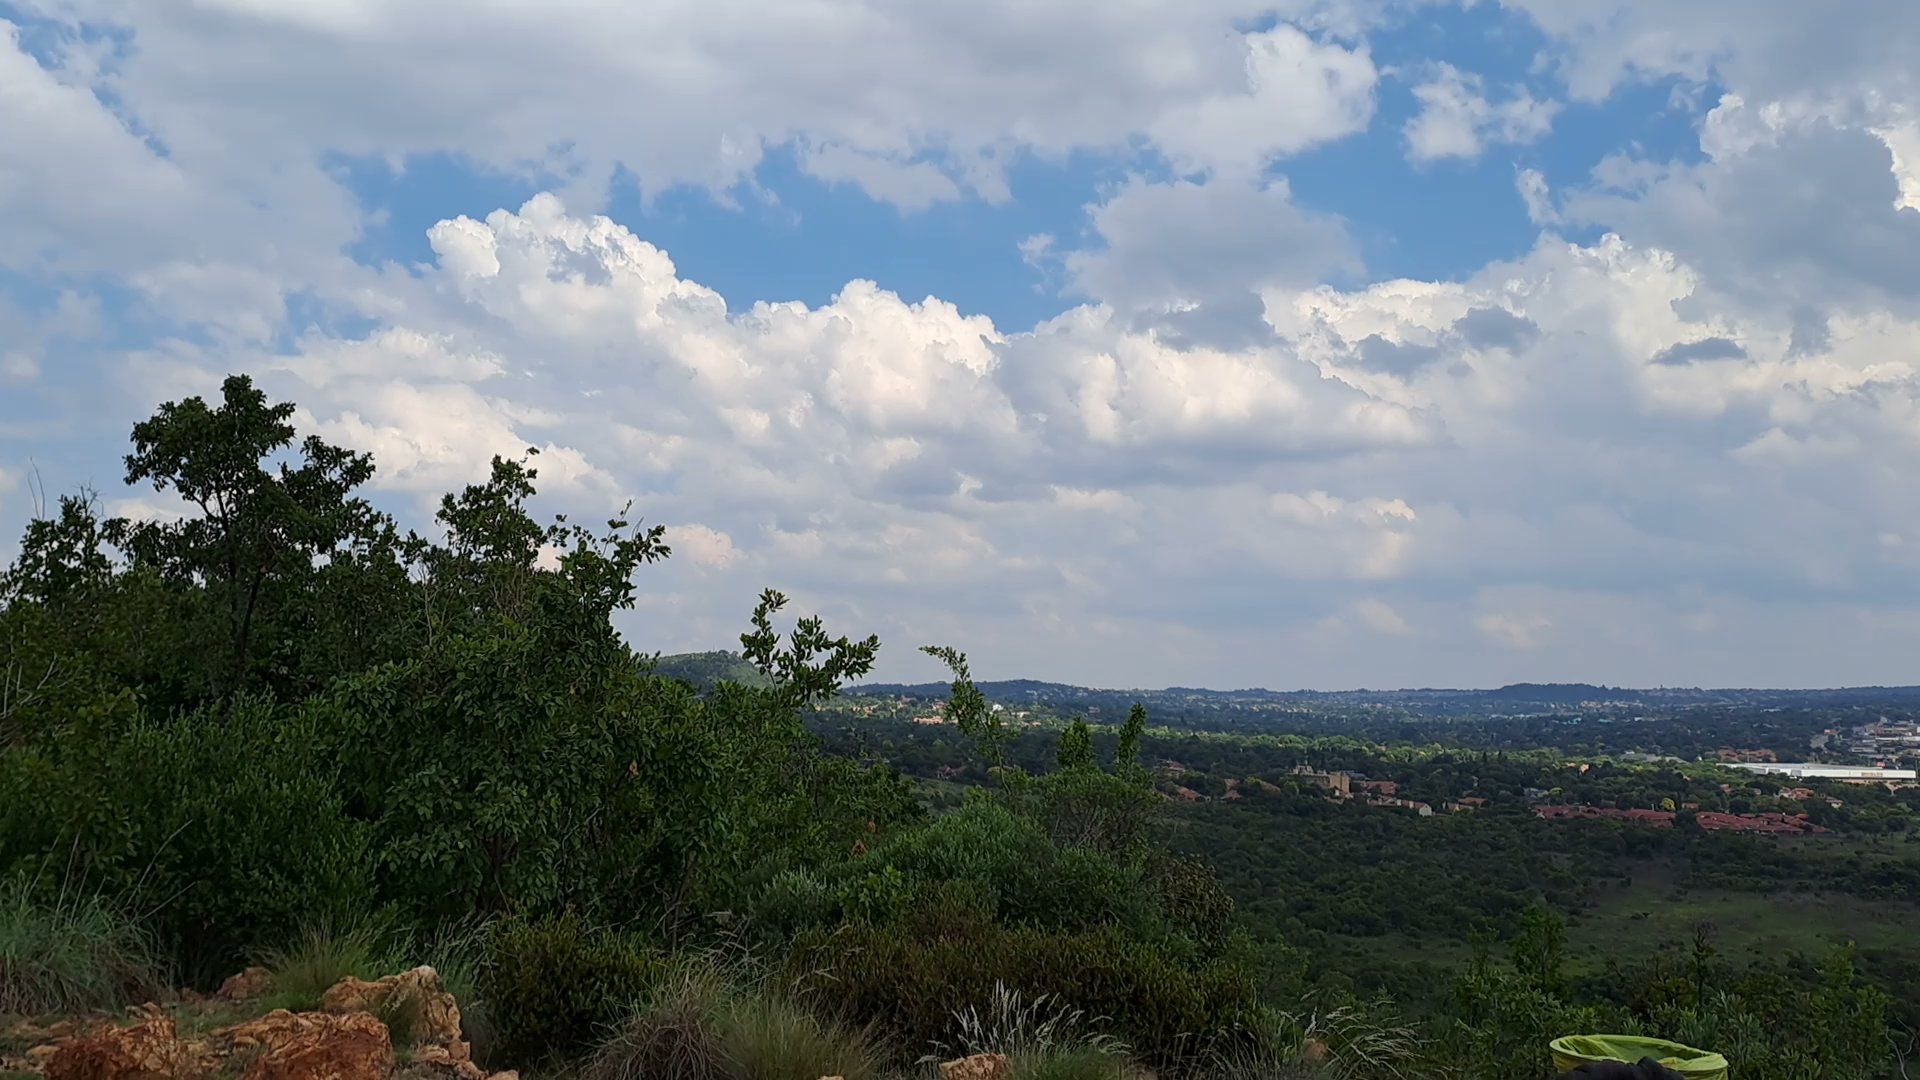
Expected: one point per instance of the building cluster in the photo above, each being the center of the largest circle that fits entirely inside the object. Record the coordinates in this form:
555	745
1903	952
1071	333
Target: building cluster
1885	741
1711	820
1358	787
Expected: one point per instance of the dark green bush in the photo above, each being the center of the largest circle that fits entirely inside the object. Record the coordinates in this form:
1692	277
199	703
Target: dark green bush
555	987
1006	860
223	824
911	983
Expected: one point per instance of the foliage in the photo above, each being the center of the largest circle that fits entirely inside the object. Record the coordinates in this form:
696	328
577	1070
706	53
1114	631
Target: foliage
71	952
554	986
910	978
226	828
1076	747
799	678
1126	753
967	707
269	571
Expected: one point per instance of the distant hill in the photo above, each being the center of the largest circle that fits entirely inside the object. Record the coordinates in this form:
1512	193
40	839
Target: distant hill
705	670
1515	697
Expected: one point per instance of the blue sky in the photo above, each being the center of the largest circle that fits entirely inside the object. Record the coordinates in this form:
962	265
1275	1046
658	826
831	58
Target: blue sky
1314	343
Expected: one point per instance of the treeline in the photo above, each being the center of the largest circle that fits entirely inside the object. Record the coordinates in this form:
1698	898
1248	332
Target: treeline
279	728
1461	720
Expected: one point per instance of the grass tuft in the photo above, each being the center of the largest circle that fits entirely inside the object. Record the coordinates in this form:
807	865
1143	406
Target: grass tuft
706	1022
1069	1063
1013	1024
1344	1042
772	1037
76	953
323	954
676	1031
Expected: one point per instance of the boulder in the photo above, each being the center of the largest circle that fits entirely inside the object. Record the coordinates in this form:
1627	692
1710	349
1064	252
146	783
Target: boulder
440	1061
311	1046
255	982
415	1001
144	1050
976	1067
147	1049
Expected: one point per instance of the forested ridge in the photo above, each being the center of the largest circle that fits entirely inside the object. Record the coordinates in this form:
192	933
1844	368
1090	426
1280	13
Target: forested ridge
281	730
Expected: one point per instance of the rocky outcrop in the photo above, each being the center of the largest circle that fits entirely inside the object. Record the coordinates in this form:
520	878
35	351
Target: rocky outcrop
364	1029
147	1049
976	1067
422	1014
311	1046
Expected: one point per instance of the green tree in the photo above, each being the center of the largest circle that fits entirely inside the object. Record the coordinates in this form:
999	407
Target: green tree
1076	747
813	664
1126	755
968	707
252	565
1540	947
60	557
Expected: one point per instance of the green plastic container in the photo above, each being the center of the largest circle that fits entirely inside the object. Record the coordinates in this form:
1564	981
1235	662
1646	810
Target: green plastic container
1573	1051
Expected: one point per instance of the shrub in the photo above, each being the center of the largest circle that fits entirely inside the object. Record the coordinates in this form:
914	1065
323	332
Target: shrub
554	986
218	822
74	953
914	985
703	1023
1025	875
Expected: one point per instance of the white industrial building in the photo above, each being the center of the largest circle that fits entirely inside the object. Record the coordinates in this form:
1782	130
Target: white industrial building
1806	770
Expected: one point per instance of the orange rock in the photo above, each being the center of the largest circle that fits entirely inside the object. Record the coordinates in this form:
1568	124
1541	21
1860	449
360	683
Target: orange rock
147	1049
352	995
442	1062
252	983
311	1046
976	1067
430	1014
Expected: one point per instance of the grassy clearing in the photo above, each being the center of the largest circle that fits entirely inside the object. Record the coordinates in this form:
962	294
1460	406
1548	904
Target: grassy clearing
1649	914
72	954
